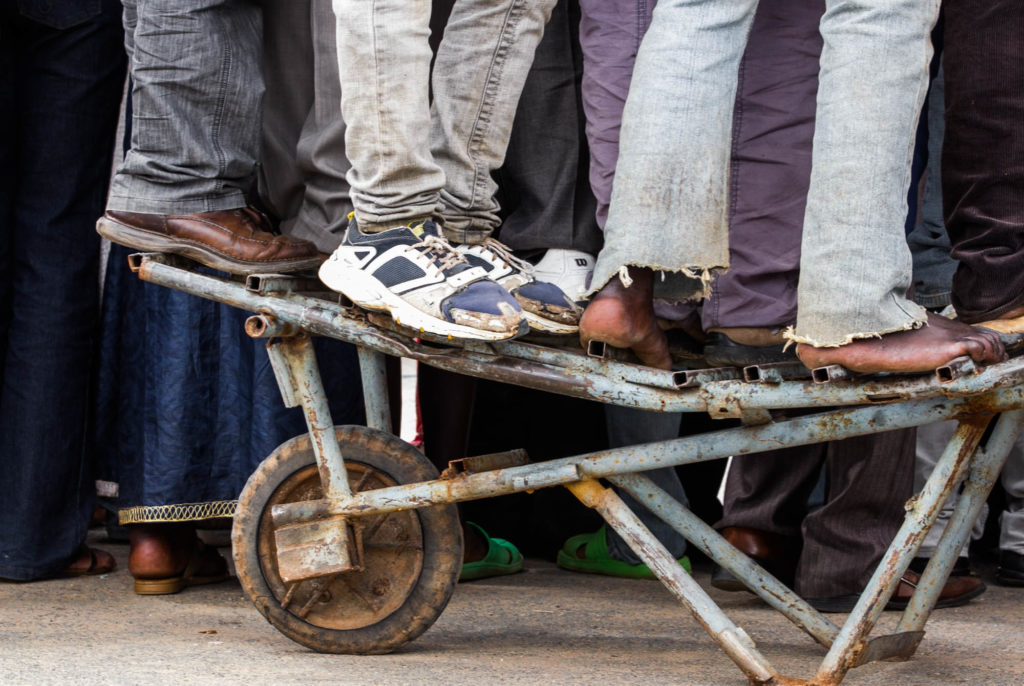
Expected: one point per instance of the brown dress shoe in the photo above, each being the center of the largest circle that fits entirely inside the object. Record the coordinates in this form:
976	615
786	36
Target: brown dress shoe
958	590
777	554
236	241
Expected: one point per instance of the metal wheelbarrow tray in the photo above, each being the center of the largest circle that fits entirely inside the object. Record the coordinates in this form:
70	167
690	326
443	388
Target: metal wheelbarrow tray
348	541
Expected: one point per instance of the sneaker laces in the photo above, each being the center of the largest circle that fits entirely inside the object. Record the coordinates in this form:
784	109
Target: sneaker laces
505	253
440	252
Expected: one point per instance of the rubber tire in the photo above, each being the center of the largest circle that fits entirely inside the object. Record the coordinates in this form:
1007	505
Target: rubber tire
439	524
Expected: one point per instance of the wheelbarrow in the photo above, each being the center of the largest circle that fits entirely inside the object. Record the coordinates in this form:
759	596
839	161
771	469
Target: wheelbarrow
347	538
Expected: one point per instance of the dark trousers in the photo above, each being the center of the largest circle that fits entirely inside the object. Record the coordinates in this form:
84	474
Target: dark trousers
545	199
868	479
543	188
60	89
983	157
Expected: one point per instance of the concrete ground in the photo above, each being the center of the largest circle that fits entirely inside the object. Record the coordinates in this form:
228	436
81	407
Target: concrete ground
543	626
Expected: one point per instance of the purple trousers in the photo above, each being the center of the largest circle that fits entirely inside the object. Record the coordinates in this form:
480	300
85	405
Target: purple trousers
773	129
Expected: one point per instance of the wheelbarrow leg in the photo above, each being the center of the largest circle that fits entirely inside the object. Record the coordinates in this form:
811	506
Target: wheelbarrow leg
375	389
984	471
710	542
851	647
317	547
732	639
298	376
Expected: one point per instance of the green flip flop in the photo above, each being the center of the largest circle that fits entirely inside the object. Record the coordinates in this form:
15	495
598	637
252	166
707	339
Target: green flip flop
502	558
597	560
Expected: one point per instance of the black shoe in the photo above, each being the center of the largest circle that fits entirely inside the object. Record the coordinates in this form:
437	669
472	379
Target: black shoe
962	567
1011	569
722	351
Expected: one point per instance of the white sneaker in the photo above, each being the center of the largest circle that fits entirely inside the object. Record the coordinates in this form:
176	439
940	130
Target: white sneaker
418	277
545	306
570	270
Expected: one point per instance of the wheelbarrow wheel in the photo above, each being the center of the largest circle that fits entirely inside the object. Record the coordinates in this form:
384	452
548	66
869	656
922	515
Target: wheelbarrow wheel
410	559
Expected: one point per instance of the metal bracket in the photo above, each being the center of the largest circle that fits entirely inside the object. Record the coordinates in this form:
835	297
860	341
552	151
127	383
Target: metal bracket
268	284
691	378
485	463
310	549
775	373
955	368
283	374
832	372
894	647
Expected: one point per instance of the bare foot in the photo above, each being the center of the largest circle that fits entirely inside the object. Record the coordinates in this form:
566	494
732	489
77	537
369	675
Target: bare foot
624	318
916	350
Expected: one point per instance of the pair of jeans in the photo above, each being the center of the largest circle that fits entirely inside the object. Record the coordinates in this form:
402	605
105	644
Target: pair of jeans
929	243
61	78
412	160
196	97
773	126
671	214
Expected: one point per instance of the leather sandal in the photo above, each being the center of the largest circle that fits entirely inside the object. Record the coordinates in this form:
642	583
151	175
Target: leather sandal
96	565
201	553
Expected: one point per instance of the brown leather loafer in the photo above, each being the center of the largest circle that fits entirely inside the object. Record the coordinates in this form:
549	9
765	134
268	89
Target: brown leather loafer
236	241
777	554
958	590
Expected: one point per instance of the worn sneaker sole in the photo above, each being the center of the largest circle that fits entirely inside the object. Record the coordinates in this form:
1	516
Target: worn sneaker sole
368	292
139	239
538	323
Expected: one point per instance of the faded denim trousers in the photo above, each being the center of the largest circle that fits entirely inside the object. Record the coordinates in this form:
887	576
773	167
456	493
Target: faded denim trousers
196	97
669	207
410	159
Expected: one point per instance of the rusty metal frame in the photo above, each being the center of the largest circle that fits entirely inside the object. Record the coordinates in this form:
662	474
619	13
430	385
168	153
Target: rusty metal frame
291	309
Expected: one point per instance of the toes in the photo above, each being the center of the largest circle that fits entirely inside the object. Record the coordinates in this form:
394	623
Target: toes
985	346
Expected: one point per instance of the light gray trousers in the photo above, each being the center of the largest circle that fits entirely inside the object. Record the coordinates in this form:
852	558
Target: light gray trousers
669	206
413	158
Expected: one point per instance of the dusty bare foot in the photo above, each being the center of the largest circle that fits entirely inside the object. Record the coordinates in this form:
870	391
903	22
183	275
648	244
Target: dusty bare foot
624	318
917	350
